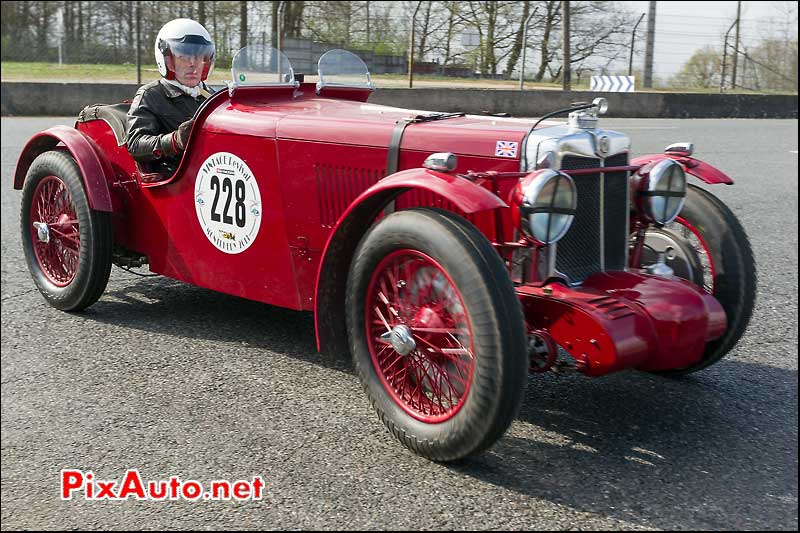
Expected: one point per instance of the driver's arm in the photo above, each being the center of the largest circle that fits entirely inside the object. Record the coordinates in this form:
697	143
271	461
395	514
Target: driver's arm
145	140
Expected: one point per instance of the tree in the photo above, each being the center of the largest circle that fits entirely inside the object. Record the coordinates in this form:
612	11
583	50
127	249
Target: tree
104	31
242	23
293	18
434	25
703	69
774	64
599	33
333	22
201	12
551	18
452	27
424	21
496	25
516	49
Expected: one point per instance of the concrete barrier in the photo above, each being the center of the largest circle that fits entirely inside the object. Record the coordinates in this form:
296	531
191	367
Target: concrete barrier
631	105
60	99
67	99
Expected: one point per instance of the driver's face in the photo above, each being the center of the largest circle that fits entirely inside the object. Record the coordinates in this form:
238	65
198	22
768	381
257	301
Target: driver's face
188	69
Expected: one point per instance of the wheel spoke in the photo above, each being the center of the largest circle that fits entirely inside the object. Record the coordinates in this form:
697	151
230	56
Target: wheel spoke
444	379
385	350
441	330
65	223
697	242
396	360
450	353
411	290
73	238
403	381
52	205
383	320
456	351
417	391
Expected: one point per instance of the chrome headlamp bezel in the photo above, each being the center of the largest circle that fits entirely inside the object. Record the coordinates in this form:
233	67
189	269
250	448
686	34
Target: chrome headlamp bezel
546	202
662	203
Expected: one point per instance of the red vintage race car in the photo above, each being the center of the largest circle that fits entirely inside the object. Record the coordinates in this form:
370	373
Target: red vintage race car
449	254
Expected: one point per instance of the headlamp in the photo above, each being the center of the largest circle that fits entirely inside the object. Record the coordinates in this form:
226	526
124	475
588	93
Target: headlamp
663	192
545	203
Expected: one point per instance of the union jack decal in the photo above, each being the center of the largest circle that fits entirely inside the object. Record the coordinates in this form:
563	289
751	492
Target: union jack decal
506	149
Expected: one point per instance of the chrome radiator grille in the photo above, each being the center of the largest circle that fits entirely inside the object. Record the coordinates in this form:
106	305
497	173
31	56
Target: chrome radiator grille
598	237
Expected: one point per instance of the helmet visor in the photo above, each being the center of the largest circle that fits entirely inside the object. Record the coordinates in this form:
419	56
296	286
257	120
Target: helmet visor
192	46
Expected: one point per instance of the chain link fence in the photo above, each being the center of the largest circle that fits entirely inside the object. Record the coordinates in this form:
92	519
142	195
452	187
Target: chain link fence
453	46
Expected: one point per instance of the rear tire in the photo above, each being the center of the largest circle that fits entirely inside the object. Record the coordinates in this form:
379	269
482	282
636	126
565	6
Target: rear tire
459	387
67	245
727	267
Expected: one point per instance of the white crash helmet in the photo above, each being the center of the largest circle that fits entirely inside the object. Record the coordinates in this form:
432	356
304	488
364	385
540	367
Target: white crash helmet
184	37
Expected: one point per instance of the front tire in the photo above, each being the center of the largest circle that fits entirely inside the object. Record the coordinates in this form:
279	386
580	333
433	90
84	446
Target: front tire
436	333
715	254
67	244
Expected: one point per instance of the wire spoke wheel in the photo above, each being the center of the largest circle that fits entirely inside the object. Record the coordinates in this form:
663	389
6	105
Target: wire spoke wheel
67	244
436	333
55	230
410	292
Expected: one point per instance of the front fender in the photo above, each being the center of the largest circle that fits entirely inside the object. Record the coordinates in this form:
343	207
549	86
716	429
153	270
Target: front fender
93	168
695	167
329	313
467	196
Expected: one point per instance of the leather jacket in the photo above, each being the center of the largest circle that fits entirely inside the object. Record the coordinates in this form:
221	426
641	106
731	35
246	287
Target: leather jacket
156	112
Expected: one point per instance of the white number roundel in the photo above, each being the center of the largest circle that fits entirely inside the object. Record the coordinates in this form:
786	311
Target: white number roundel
228	202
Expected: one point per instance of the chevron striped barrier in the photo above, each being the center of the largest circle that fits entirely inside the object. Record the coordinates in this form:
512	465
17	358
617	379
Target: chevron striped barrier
613	84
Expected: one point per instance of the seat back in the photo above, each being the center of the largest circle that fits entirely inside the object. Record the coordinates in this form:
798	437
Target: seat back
115	115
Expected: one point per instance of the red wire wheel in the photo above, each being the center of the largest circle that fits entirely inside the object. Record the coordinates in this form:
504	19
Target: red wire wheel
67	244
419	335
696	241
55	231
436	333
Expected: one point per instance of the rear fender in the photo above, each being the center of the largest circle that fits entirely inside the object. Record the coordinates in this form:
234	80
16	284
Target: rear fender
95	169
695	167
329	312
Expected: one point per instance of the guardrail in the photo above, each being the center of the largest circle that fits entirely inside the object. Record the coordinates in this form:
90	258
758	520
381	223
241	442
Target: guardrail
66	99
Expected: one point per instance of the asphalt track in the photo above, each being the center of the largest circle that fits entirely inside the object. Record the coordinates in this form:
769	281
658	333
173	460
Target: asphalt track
177	380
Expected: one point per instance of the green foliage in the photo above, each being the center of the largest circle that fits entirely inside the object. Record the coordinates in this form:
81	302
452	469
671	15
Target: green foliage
773	64
703	69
